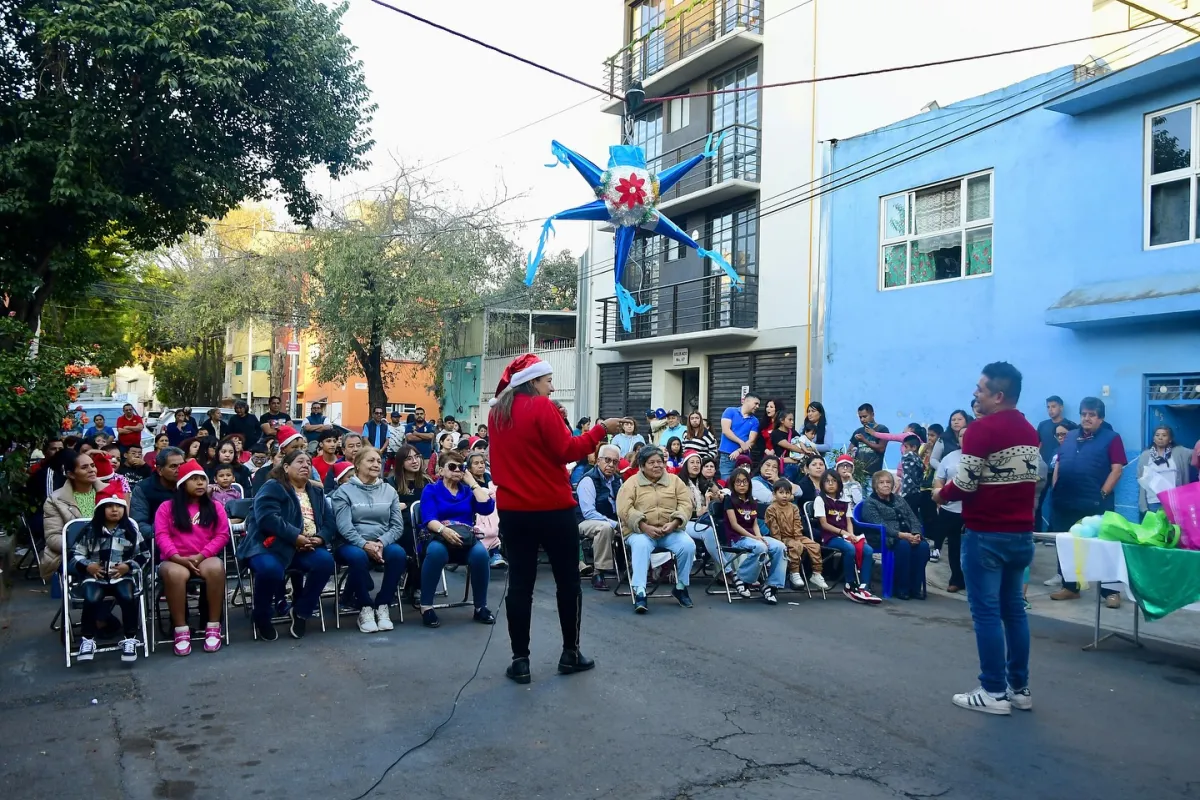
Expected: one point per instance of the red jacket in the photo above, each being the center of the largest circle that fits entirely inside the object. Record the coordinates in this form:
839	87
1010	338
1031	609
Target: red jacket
530	456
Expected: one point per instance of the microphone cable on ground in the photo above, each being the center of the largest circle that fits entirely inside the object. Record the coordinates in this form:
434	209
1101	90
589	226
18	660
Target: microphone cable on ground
453	708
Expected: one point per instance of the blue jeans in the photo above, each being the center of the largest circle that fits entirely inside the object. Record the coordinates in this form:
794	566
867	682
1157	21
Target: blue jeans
358	577
994	564
908	567
725	465
268	571
776	552
868	561
704	532
641	546
437	556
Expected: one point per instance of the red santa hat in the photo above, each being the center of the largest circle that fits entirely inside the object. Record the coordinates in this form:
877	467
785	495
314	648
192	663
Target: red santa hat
111	494
521	370
189	470
287	434
844	458
340	469
104	467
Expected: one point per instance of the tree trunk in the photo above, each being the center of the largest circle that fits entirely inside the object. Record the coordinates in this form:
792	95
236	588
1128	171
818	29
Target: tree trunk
370	361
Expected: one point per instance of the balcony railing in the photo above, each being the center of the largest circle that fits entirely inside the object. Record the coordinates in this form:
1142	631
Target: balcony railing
702	304
737	159
684	33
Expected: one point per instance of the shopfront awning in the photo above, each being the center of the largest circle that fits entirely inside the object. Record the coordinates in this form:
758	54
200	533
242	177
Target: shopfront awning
1134	301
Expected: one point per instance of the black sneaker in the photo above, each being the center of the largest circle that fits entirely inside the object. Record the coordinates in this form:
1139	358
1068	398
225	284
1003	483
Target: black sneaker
739	586
865	595
573	661
768	595
483	615
266	631
639	604
851	593
682	597
298	626
598	582
518	670
129	646
429	619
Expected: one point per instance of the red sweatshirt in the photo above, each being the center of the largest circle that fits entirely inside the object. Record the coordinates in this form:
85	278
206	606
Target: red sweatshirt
997	476
530	456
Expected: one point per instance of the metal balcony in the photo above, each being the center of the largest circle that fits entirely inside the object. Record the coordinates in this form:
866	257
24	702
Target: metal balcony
707	307
733	172
687	45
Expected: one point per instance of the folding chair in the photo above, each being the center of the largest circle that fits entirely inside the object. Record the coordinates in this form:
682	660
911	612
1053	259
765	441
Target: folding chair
245	575
30	561
340	572
195	596
445	590
727	556
241	510
72	597
623	562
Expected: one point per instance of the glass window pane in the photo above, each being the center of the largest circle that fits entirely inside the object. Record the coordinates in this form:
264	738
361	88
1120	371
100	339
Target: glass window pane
1170	208
979	198
894	266
1171	141
938	208
979	251
936	258
894	219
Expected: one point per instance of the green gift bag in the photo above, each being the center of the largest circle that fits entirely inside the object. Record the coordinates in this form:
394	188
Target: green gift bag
1153	531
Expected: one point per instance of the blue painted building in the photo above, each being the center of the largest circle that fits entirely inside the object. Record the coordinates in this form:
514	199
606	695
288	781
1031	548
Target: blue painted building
1063	239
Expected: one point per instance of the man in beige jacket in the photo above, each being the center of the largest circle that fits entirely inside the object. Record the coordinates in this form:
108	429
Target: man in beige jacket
653	507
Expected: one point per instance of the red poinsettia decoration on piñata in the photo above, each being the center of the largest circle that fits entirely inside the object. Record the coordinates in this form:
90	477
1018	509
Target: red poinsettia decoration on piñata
631	190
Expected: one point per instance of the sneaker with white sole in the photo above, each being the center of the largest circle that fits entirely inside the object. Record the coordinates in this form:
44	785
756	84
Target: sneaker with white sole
851	593
817	581
768	594
87	649
366	620
212	637
796	580
183	641
129	649
383	618
1053	580
935	555
865	595
1020	699
985	702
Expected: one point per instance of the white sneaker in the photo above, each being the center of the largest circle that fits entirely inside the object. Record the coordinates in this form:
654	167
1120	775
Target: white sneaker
1020	699
129	649
979	700
817	581
935	555
796	580
383	618
87	649
1054	580
366	620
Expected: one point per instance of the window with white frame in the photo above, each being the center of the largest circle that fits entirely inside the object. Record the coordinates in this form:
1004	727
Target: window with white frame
1171	170
937	233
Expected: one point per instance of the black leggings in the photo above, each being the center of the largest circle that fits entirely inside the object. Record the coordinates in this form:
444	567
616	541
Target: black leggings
950	529
556	532
94	593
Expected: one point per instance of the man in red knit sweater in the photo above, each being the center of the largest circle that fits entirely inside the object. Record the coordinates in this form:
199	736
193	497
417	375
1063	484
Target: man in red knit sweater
996	482
530	446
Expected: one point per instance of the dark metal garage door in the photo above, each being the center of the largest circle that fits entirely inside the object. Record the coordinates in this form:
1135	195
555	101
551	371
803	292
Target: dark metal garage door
770	373
625	391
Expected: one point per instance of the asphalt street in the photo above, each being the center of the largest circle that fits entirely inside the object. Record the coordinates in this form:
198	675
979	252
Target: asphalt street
815	698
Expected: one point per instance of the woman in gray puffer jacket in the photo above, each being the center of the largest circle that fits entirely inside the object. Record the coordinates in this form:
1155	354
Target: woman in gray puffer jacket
369	526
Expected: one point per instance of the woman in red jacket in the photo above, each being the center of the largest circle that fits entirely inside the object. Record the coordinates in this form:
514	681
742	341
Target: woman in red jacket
530	448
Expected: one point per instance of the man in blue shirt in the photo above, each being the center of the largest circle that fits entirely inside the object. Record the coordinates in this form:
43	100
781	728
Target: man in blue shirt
316	423
375	432
597	493
674	429
100	426
739	428
420	434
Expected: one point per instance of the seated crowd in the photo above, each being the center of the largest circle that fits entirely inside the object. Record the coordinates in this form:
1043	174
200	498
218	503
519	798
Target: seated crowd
756	504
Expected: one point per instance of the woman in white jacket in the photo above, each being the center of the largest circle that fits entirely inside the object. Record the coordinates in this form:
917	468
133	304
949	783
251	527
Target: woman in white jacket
1165	461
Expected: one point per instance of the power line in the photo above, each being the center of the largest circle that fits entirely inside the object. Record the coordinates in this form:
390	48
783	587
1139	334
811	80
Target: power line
494	48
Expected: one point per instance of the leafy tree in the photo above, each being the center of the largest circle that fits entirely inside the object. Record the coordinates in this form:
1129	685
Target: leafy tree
555	288
144	117
178	375
382	280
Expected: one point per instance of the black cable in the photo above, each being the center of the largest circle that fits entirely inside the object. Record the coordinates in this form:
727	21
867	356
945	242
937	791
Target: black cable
453	708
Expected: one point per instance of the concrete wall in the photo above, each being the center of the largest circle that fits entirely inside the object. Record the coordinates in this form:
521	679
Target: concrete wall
1068	213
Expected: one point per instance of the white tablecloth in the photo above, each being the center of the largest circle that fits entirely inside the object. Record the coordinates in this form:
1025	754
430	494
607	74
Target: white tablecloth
1095	560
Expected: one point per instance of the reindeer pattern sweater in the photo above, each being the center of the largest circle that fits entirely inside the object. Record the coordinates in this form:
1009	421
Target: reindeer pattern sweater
998	474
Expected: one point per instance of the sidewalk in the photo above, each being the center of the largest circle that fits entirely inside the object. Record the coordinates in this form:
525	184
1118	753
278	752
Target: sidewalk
1180	628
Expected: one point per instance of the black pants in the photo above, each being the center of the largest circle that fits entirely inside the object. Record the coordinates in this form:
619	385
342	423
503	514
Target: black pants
94	593
556	532
950	530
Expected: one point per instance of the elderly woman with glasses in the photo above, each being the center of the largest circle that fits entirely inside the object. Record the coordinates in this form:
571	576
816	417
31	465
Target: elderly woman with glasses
654	507
448	533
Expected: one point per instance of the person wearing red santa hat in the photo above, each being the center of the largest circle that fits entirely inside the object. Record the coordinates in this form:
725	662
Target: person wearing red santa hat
530	448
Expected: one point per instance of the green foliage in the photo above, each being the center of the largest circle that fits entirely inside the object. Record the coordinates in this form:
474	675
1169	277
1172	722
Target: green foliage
148	116
33	402
177	377
555	287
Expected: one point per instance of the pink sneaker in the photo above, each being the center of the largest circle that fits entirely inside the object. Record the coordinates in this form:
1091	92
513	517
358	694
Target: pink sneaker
212	637
183	642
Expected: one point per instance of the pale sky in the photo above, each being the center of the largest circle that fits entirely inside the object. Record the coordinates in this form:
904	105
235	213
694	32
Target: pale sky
438	95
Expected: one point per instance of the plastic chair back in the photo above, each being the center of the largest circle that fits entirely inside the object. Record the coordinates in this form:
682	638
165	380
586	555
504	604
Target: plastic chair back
887	562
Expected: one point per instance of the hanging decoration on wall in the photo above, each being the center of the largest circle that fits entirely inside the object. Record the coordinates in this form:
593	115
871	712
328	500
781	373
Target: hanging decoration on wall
627	196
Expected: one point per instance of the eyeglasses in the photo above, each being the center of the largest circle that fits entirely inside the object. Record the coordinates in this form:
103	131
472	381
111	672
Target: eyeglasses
607	459
454	467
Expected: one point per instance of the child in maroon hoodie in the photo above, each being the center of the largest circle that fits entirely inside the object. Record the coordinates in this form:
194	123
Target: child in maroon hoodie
832	515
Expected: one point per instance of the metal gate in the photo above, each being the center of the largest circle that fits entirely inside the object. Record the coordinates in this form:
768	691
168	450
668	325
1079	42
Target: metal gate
625	391
769	374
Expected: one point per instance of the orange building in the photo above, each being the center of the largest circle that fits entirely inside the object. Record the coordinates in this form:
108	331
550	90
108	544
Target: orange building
347	404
